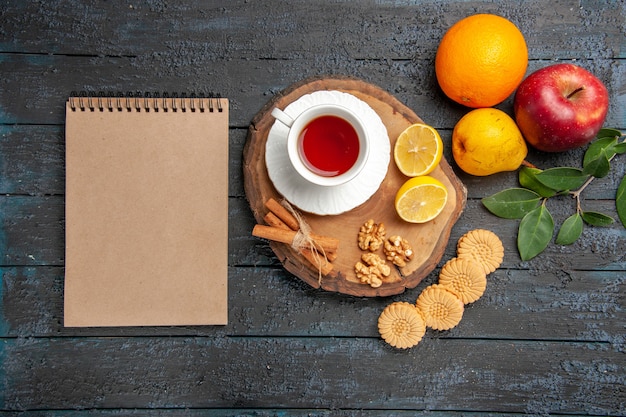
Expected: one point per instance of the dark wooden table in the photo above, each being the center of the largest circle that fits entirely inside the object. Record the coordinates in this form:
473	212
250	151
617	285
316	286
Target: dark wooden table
547	338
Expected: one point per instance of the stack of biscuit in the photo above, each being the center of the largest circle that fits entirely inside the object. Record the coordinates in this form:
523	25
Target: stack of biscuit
462	280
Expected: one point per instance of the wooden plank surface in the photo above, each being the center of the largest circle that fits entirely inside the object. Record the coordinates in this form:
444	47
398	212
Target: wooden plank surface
308	372
547	338
575	306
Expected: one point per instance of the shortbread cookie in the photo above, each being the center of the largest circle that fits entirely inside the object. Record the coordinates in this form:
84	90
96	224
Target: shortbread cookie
401	325
442	309
464	278
482	246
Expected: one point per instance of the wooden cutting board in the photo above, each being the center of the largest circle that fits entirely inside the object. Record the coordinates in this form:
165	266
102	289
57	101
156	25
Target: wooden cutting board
428	240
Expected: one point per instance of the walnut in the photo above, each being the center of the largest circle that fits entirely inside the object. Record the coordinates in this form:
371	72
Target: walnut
373	270
364	273
398	250
371	236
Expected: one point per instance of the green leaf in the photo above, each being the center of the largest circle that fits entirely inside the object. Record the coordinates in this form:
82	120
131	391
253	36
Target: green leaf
599	166
512	203
620	201
535	231
570	231
562	178
597	219
597	148
608	133
528	179
620	148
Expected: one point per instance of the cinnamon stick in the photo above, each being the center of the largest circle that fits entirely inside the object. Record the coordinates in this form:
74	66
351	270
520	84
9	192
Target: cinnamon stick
282	213
316	260
282	219
277	234
273	220
279	216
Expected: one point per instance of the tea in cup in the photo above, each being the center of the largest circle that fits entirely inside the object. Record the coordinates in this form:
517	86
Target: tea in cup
327	144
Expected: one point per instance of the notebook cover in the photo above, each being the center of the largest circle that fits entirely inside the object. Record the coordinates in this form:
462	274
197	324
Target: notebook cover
146	217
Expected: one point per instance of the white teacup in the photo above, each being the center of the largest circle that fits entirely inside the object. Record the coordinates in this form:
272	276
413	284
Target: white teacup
327	144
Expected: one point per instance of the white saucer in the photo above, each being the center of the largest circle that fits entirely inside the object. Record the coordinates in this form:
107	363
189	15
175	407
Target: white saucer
320	199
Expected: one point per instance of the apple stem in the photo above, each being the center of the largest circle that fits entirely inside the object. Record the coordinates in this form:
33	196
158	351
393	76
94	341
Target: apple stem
528	164
579	89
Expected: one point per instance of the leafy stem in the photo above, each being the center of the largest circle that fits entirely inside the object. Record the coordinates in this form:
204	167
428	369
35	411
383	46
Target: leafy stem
528	202
576	193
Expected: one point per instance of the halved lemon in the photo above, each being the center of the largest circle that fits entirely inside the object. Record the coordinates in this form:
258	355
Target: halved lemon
418	150
421	199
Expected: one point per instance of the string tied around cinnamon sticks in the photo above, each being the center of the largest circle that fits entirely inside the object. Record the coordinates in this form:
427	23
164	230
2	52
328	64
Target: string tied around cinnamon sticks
303	240
286	225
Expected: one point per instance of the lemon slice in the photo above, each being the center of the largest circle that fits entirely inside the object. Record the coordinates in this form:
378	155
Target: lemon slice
421	199
418	150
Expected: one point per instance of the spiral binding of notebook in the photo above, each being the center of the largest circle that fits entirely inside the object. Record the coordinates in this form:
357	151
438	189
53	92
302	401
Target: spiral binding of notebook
145	102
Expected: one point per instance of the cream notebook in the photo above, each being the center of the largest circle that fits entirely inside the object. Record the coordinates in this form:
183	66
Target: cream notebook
146	211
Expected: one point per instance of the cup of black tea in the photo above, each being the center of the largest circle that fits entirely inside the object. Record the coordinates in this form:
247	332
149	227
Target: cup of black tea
327	144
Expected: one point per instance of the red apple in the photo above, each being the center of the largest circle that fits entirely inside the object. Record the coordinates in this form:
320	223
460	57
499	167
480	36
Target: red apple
560	107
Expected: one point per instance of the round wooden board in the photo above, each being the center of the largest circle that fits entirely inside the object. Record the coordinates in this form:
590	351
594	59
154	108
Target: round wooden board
428	240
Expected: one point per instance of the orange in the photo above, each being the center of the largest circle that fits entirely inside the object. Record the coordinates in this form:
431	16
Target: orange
481	60
421	199
418	150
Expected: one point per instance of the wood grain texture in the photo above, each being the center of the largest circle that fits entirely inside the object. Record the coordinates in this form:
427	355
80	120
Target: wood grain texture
33	234
431	238
307	372
547	338
568	306
32	157
34	84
